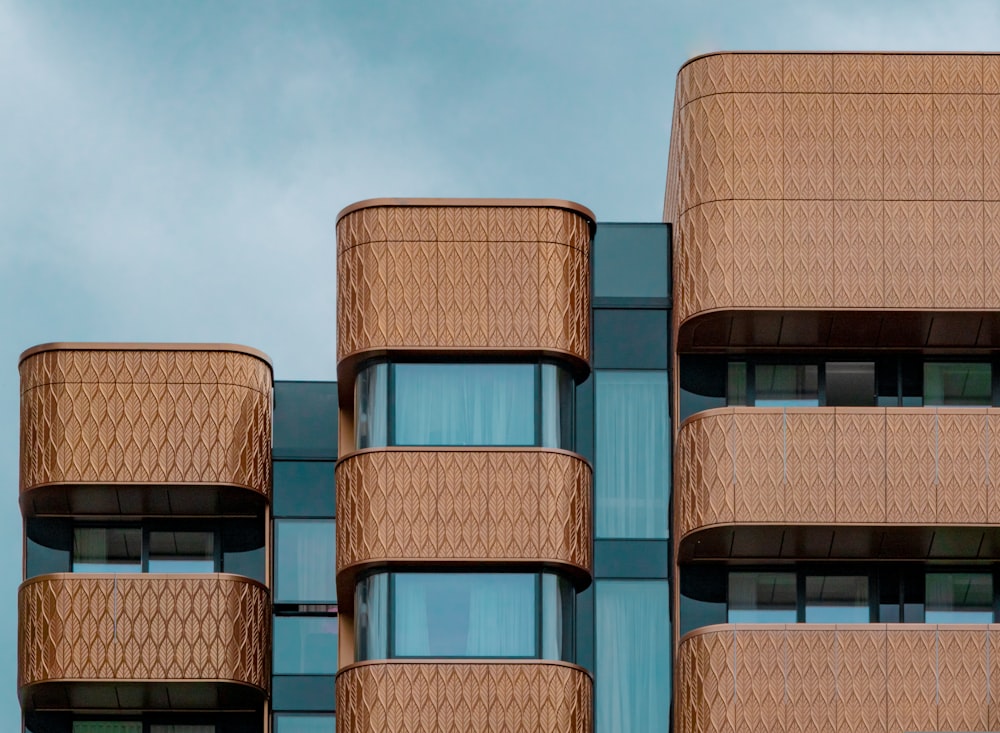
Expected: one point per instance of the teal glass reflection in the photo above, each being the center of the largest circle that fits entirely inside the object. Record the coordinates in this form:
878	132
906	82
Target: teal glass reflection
305	561
786	385
959	598
305	645
837	599
762	598
300	723
957	384
107	550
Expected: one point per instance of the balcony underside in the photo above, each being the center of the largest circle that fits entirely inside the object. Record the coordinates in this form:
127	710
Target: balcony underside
110	500
103	696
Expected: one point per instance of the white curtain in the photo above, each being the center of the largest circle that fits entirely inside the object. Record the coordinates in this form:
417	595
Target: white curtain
464	404
372	400
411	636
373	617
307	562
632	471
502	616
633	656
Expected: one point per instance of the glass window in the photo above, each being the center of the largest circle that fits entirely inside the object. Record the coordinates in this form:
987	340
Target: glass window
183	728
632	472
107	726
305	561
304	489
631	261
703	597
762	598
305	420
558	400
181	552
558	615
297	723
305	645
464	615
107	550
371	618
837	599
736	389
850	383
632	680
959	598
243	548
957	384
786	385
371	400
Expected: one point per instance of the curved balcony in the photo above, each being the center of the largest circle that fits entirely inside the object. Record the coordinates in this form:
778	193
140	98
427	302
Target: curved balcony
438	276
878	677
464	697
144	429
838	482
435	507
107	642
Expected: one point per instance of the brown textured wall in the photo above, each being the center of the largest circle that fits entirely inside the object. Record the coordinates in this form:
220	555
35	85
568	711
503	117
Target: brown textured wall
848	181
459	504
143	627
843	465
130	414
492	277
874	678
464	697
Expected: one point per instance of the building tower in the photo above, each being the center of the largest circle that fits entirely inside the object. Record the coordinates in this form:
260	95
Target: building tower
464	521
145	486
837	320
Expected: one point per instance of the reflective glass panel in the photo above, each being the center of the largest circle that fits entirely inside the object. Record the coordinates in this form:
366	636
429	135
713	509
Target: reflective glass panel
305	561
957	384
183	728
786	385
304	489
305	645
295	723
181	552
464	404
736	384
762	598
632	471
837	599
558	399
371	401
107	550
850	383
371	617
632	645
959	598
558	615
464	615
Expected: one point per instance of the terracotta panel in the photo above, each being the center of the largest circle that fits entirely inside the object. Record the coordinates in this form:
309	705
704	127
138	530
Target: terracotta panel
130	415
811	678
413	314
707	232
959	261
810	491
808	254
463	492
757	153
183	628
425	697
705	493
961	466
859	268
760	477
860	465
706	683
460	224
907	73
415	529
993	467
760	679
860	73
909	146
912	693
962	678
958	147
991	74
911	495
862	680
757	72
707	139
993	677
563	307
512	294
956	73
758	259
991	244
858	165
991	147
808	72
703	77
909	229
463	296
807	146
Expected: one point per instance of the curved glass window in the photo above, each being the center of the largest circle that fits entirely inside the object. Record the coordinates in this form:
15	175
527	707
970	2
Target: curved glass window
464	405
456	615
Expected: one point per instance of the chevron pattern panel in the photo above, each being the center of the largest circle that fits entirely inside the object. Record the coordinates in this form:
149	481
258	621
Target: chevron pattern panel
143	627
131	416
464	697
504	277
466	505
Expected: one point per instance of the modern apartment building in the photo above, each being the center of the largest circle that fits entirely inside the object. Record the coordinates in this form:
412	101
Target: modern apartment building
474	527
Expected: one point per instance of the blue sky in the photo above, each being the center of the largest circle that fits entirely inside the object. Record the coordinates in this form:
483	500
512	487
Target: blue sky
171	171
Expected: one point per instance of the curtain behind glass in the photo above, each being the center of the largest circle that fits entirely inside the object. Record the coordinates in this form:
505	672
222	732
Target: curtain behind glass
372	618
632	647
464	404
372	403
306	561
632	473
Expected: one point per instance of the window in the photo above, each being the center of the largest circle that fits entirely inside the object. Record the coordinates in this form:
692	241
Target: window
304	489
837	599
181	552
455	615
762	598
959	598
850	383
106	726
464	405
305	561
301	723
305	644
632	467
107	550
957	384
786	385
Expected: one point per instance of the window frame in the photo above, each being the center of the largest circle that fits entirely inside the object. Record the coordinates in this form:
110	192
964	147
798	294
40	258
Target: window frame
157	525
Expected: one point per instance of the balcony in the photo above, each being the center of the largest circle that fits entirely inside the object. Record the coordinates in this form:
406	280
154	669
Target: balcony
438	506
144	429
879	677
143	642
464	697
435	276
903	483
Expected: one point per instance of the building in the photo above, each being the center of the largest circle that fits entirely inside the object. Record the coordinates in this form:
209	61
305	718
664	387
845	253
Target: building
513	380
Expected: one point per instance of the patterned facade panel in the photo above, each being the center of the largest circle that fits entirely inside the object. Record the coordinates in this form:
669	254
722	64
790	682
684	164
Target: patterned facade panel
958	147
758	230
757	72
859	267
911	490
961	467
812	680
807	146
149	627
860	73
908	236
119	417
760	467
957	74
862	680
705	470
962	678
858	162
809	73
760	679
909	146
706	232
463	697
757	154
463	505
991	146
810	450
707	136
912	678
706	683
959	259
991	243
808	254
993	467
464	276
907	73
860	465
704	76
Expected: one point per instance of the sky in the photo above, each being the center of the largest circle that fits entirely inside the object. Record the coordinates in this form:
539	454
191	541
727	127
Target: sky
172	171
